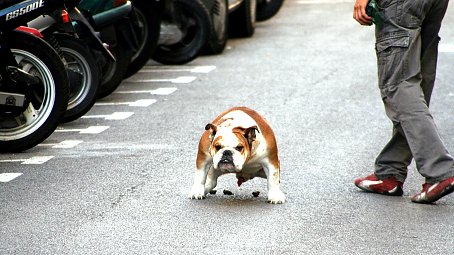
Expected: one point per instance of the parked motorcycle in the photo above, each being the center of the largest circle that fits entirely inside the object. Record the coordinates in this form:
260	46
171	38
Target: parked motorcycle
146	20
219	13
242	17
112	19
185	30
34	83
79	60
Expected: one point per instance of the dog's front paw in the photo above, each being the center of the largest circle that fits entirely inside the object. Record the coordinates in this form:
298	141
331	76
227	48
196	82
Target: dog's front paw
197	192
276	196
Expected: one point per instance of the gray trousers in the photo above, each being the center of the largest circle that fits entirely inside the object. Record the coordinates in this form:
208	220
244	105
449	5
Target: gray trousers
407	50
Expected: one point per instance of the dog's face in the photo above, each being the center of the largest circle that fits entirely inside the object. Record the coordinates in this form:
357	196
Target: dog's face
230	147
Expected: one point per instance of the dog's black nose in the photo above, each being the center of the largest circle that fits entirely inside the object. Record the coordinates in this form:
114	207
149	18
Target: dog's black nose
227	153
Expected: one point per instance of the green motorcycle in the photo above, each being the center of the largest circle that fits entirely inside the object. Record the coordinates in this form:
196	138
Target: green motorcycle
112	19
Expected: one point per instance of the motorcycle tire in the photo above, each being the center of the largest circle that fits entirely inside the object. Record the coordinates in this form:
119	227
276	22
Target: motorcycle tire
48	102
266	9
84	79
242	20
220	25
195	25
147	27
114	71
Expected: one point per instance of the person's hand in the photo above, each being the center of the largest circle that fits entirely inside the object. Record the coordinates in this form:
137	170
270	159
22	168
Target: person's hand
359	13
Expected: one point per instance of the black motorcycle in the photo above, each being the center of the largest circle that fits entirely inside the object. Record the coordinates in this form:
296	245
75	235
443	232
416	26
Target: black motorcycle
82	52
113	21
146	20
33	81
186	28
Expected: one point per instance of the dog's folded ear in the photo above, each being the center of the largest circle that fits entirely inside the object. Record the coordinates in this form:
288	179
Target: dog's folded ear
213	128
248	133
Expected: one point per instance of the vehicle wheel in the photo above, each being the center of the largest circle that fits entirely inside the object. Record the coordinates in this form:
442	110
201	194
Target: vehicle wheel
189	33
83	77
114	71
220	24
268	8
147	26
242	20
48	101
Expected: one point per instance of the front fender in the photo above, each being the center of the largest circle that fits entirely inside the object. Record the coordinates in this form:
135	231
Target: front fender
30	30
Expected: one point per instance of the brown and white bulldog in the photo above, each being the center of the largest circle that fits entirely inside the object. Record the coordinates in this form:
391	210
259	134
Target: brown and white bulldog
238	141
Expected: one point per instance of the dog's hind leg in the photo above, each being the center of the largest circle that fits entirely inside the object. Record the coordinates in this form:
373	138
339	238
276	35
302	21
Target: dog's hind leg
275	195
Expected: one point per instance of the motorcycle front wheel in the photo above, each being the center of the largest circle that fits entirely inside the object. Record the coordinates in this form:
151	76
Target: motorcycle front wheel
114	71
185	35
220	24
48	101
147	27
242	20
83	77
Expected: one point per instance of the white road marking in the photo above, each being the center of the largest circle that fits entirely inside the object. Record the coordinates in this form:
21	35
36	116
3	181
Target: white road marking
89	130
7	177
195	69
138	103
38	160
113	116
179	80
143	103
184	79
159	91
63	145
11	160
446	48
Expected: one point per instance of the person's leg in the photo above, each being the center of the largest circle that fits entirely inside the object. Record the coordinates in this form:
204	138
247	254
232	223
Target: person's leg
394	159
392	162
403	47
432	190
429	46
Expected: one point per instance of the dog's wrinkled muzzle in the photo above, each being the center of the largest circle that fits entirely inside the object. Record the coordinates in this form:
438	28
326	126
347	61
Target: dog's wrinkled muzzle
226	162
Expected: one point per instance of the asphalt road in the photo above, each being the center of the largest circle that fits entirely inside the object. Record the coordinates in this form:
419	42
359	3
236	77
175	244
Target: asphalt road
117	183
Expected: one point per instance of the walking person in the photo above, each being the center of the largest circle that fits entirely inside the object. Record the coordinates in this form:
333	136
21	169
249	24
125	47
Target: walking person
406	34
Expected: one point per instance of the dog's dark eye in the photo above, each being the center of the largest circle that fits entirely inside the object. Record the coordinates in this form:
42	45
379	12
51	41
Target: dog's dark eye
239	148
218	147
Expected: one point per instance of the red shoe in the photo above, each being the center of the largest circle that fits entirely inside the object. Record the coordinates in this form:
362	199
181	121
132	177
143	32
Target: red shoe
431	192
371	183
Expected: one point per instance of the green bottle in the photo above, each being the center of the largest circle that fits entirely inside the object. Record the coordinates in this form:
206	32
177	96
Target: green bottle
373	11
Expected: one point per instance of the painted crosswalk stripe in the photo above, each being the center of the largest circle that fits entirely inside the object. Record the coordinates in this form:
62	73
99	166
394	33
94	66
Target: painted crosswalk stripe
178	80
89	130
113	116
38	160
138	103
7	177
67	144
159	91
159	69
